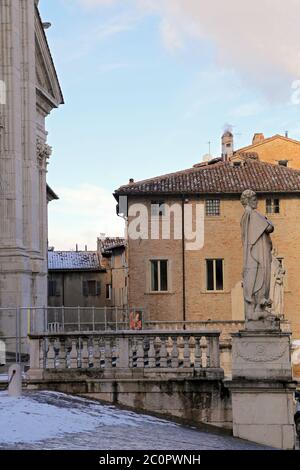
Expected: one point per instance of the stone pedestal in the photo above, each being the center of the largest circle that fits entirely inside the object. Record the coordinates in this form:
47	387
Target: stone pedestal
262	388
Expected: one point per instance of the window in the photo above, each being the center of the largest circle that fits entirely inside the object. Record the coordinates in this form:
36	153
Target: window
212	207
214	274
159	275
272	205
91	288
108	292
158	208
52	288
283	162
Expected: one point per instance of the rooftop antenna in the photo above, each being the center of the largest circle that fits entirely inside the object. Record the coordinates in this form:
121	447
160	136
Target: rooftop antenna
209	147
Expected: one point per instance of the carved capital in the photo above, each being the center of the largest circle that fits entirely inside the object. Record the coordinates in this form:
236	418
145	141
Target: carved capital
43	152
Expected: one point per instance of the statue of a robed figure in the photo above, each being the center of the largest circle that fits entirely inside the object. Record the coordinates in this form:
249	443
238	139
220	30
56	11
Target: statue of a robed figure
257	254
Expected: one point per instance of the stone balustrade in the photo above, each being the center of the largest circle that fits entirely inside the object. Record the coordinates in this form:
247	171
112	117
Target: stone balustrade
167	350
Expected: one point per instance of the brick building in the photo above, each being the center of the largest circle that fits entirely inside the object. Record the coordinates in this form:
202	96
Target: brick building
174	283
89	278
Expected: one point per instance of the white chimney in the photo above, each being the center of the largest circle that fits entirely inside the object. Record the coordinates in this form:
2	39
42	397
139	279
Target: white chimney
227	145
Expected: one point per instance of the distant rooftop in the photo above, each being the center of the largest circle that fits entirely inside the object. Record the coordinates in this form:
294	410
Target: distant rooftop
107	244
74	260
217	176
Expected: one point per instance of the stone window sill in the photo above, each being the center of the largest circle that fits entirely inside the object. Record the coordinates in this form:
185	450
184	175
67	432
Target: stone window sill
160	293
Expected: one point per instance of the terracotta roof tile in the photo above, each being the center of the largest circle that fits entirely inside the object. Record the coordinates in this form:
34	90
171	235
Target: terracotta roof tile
220	177
107	244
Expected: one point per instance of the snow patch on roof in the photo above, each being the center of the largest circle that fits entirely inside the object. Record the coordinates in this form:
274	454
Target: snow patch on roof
73	260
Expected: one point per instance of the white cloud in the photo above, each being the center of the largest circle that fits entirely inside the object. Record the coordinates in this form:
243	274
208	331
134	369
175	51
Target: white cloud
171	37
260	39
118	24
81	214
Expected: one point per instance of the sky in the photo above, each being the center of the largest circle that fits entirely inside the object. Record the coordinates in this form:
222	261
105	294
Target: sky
148	83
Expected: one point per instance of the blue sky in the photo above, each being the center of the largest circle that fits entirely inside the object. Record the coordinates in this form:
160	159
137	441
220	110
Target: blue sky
147	84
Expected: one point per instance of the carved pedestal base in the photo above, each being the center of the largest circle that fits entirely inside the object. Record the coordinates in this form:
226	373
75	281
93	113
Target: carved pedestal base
262	388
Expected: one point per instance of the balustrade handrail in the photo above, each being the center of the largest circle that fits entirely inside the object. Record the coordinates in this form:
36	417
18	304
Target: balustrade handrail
125	333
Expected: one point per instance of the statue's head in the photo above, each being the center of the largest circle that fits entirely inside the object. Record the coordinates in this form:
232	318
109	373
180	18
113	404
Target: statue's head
249	198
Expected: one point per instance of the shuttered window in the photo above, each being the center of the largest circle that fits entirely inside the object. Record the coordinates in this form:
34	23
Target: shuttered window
91	288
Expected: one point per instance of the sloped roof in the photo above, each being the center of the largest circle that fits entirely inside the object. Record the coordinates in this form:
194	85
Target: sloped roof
110	243
267	140
74	261
220	177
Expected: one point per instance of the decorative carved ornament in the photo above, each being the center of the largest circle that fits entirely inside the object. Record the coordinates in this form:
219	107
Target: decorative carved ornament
261	352
43	152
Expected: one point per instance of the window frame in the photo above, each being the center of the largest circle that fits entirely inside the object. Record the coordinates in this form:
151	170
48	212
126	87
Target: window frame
159	272
214	260
212	207
272	206
87	292
108	290
53	292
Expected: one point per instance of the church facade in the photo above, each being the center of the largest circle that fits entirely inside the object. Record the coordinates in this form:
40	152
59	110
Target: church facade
30	92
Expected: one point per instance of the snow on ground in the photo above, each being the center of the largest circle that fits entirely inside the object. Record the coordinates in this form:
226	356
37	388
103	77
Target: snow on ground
50	420
50	414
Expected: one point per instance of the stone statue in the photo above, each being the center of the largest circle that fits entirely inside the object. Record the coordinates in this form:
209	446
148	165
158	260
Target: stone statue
257	254
277	286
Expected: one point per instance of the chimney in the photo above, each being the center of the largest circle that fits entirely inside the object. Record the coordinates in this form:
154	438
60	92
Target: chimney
77	247
258	137
227	145
131	181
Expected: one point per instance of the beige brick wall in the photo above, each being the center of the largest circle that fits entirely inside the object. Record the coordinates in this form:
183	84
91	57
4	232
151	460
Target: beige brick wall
222	240
279	149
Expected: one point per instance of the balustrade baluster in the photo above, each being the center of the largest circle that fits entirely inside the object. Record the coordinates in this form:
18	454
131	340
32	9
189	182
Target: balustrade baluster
140	353
208	351
91	352
175	353
102	353
214	352
114	354
108	363
198	362
74	354
62	359
186	352
203	347
51	355
163	352
96	353
42	353
157	345
133	353
85	354
151	353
